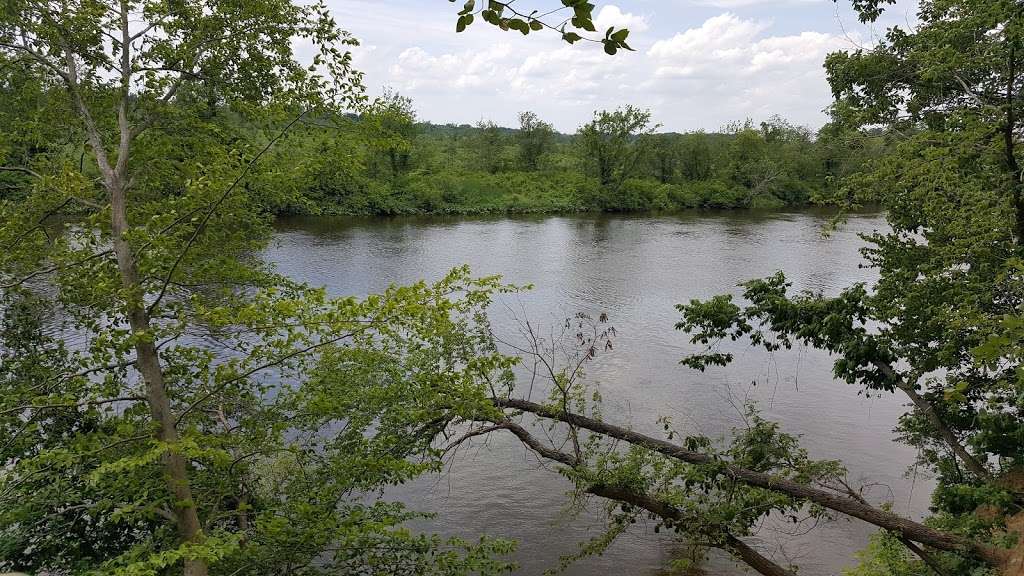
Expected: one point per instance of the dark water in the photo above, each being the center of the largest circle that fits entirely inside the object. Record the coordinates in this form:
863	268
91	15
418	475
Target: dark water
635	269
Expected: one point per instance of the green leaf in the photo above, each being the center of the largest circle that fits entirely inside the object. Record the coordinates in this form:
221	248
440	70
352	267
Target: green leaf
518	25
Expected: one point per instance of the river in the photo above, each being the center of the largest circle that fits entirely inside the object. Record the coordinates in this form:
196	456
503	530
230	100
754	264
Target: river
635	268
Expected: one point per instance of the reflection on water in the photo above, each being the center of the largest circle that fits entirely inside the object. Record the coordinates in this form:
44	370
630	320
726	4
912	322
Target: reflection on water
635	269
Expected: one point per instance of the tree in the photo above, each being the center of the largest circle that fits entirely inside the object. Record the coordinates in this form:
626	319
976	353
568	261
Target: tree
614	143
489	146
389	123
844	153
774	162
941	324
665	155
535	138
696	159
164	438
959	76
711	495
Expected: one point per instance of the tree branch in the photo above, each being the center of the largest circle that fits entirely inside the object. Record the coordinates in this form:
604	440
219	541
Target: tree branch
213	209
839	503
719	538
82	404
936	421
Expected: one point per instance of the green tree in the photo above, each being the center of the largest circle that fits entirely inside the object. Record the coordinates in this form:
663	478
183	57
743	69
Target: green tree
712	494
489	145
614	143
389	125
775	162
750	163
664	157
175	433
535	138
844	153
696	157
941	325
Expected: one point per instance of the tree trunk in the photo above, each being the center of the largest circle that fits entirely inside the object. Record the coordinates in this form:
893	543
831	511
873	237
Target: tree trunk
922	404
1012	166
116	180
148	363
755	559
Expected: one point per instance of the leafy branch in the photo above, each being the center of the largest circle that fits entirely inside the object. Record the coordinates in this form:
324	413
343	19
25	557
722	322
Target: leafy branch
506	16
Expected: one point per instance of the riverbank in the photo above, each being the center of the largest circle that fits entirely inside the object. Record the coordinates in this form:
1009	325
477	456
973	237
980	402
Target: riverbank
533	193
726	216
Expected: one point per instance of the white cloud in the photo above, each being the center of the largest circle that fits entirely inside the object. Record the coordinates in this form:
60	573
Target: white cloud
416	68
540	65
729	66
732	4
727	45
807	48
722	69
611	15
720	42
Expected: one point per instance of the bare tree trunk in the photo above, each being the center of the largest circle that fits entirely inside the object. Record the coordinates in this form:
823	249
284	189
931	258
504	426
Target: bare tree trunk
755	559
751	557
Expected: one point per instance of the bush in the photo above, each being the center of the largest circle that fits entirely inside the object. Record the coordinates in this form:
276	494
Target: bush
794	192
718	194
766	202
684	196
327	189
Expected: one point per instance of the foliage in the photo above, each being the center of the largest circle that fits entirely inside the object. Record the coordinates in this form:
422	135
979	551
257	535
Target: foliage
489	147
383	162
506	16
535	138
615	141
940	326
153	409
82	464
389	126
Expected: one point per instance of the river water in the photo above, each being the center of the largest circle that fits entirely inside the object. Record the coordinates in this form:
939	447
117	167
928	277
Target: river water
635	268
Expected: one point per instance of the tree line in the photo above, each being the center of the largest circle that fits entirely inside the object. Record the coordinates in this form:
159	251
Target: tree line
382	161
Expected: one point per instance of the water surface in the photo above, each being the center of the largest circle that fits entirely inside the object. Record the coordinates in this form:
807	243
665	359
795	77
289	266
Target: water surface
635	268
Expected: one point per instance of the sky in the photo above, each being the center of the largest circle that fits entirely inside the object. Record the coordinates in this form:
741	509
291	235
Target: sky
698	64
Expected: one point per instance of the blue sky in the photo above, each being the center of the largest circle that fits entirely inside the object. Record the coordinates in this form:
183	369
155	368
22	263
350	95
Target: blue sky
699	64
